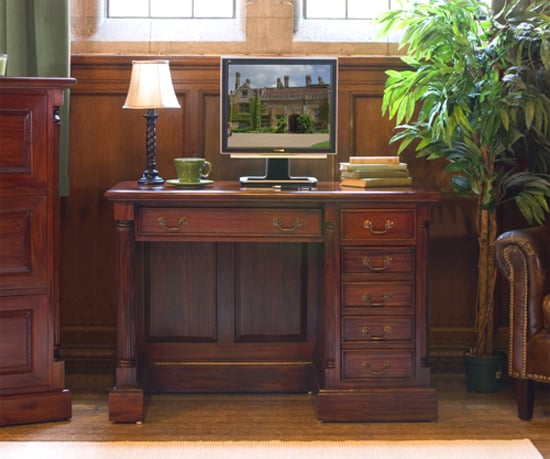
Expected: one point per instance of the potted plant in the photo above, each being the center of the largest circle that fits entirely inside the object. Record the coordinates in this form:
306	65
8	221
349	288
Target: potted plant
477	93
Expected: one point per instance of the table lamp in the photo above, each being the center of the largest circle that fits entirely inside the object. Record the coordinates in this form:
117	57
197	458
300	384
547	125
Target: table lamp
151	88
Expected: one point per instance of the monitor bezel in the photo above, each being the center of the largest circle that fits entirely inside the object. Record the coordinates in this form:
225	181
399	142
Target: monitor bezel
278	151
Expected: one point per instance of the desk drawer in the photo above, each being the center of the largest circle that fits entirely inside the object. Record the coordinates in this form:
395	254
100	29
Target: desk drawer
174	222
381	329
377	364
377	225
378	295
371	261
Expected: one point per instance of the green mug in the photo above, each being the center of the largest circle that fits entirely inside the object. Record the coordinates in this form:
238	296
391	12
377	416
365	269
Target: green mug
192	170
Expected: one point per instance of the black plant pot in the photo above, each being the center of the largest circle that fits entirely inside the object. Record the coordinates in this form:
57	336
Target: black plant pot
484	374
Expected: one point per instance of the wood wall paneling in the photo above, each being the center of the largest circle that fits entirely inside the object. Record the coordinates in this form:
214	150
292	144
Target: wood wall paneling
108	146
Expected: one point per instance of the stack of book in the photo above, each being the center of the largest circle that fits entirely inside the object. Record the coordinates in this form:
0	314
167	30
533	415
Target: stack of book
374	171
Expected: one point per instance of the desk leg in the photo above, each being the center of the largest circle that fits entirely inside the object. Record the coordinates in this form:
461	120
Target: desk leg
126	398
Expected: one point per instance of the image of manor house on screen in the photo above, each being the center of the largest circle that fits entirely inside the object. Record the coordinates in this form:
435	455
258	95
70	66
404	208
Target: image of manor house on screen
289	110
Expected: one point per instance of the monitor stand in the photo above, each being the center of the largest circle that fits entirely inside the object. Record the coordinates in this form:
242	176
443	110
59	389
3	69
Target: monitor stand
277	174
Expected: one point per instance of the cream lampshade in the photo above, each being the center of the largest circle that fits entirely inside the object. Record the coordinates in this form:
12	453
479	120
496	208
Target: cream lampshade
151	88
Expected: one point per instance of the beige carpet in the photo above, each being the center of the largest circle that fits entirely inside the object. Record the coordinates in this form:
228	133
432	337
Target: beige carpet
468	449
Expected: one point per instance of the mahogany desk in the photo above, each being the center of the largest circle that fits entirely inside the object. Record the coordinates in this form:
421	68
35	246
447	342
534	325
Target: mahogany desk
223	289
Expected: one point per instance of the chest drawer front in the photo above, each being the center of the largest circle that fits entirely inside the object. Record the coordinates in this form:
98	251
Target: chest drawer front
24	126
377	225
24	235
378	295
377	329
377	364
378	261
237	222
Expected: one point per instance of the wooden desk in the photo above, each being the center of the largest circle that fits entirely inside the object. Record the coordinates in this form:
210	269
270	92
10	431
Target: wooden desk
225	289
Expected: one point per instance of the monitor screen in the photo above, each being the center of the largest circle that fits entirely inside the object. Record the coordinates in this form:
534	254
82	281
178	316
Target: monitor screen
278	106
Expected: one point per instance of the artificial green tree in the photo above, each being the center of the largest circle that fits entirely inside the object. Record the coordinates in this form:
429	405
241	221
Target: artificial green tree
477	93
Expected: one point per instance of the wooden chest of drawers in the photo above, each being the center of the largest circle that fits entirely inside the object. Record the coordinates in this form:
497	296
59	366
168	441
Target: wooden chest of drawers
32	380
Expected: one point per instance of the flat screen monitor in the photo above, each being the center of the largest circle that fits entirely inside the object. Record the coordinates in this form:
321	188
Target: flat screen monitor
278	108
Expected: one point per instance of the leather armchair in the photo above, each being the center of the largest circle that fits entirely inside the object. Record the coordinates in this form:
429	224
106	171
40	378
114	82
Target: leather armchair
523	258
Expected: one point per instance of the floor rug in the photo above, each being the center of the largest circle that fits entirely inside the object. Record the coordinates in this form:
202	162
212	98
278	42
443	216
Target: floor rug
463	449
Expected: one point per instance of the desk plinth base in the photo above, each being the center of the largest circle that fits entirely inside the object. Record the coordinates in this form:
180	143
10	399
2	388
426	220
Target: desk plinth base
126	404
47	406
372	405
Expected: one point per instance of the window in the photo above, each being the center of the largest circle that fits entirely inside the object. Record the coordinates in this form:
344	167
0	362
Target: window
157	9
345	9
341	20
170	21
159	22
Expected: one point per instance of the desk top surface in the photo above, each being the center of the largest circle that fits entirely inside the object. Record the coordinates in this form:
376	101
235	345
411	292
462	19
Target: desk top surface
232	191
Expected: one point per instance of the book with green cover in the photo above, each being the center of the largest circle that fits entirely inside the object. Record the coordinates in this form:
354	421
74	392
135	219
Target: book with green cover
374	173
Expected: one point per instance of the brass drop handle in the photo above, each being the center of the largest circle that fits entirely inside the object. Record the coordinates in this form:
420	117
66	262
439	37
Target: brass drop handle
163	222
368	366
367	261
366	297
369	225
366	331
277	223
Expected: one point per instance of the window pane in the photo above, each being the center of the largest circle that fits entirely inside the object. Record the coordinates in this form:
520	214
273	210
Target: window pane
214	9
128	8
325	9
171	8
360	9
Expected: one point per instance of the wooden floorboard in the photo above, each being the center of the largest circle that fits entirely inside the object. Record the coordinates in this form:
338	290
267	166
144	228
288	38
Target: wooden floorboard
462	415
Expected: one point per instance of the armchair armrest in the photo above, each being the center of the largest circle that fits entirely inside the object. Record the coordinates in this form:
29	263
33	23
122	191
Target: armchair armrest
522	257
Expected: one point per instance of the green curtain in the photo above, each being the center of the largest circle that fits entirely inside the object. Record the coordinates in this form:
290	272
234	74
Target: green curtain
35	34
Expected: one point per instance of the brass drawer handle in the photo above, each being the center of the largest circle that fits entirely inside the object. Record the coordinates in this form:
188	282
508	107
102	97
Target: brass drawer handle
287	229
368	263
163	222
368	366
366	331
366	297
388	225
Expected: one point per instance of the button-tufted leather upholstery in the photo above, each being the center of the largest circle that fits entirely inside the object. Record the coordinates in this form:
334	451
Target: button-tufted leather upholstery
523	258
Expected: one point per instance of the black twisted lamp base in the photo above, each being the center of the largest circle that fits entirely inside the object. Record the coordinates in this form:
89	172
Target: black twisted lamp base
151	174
